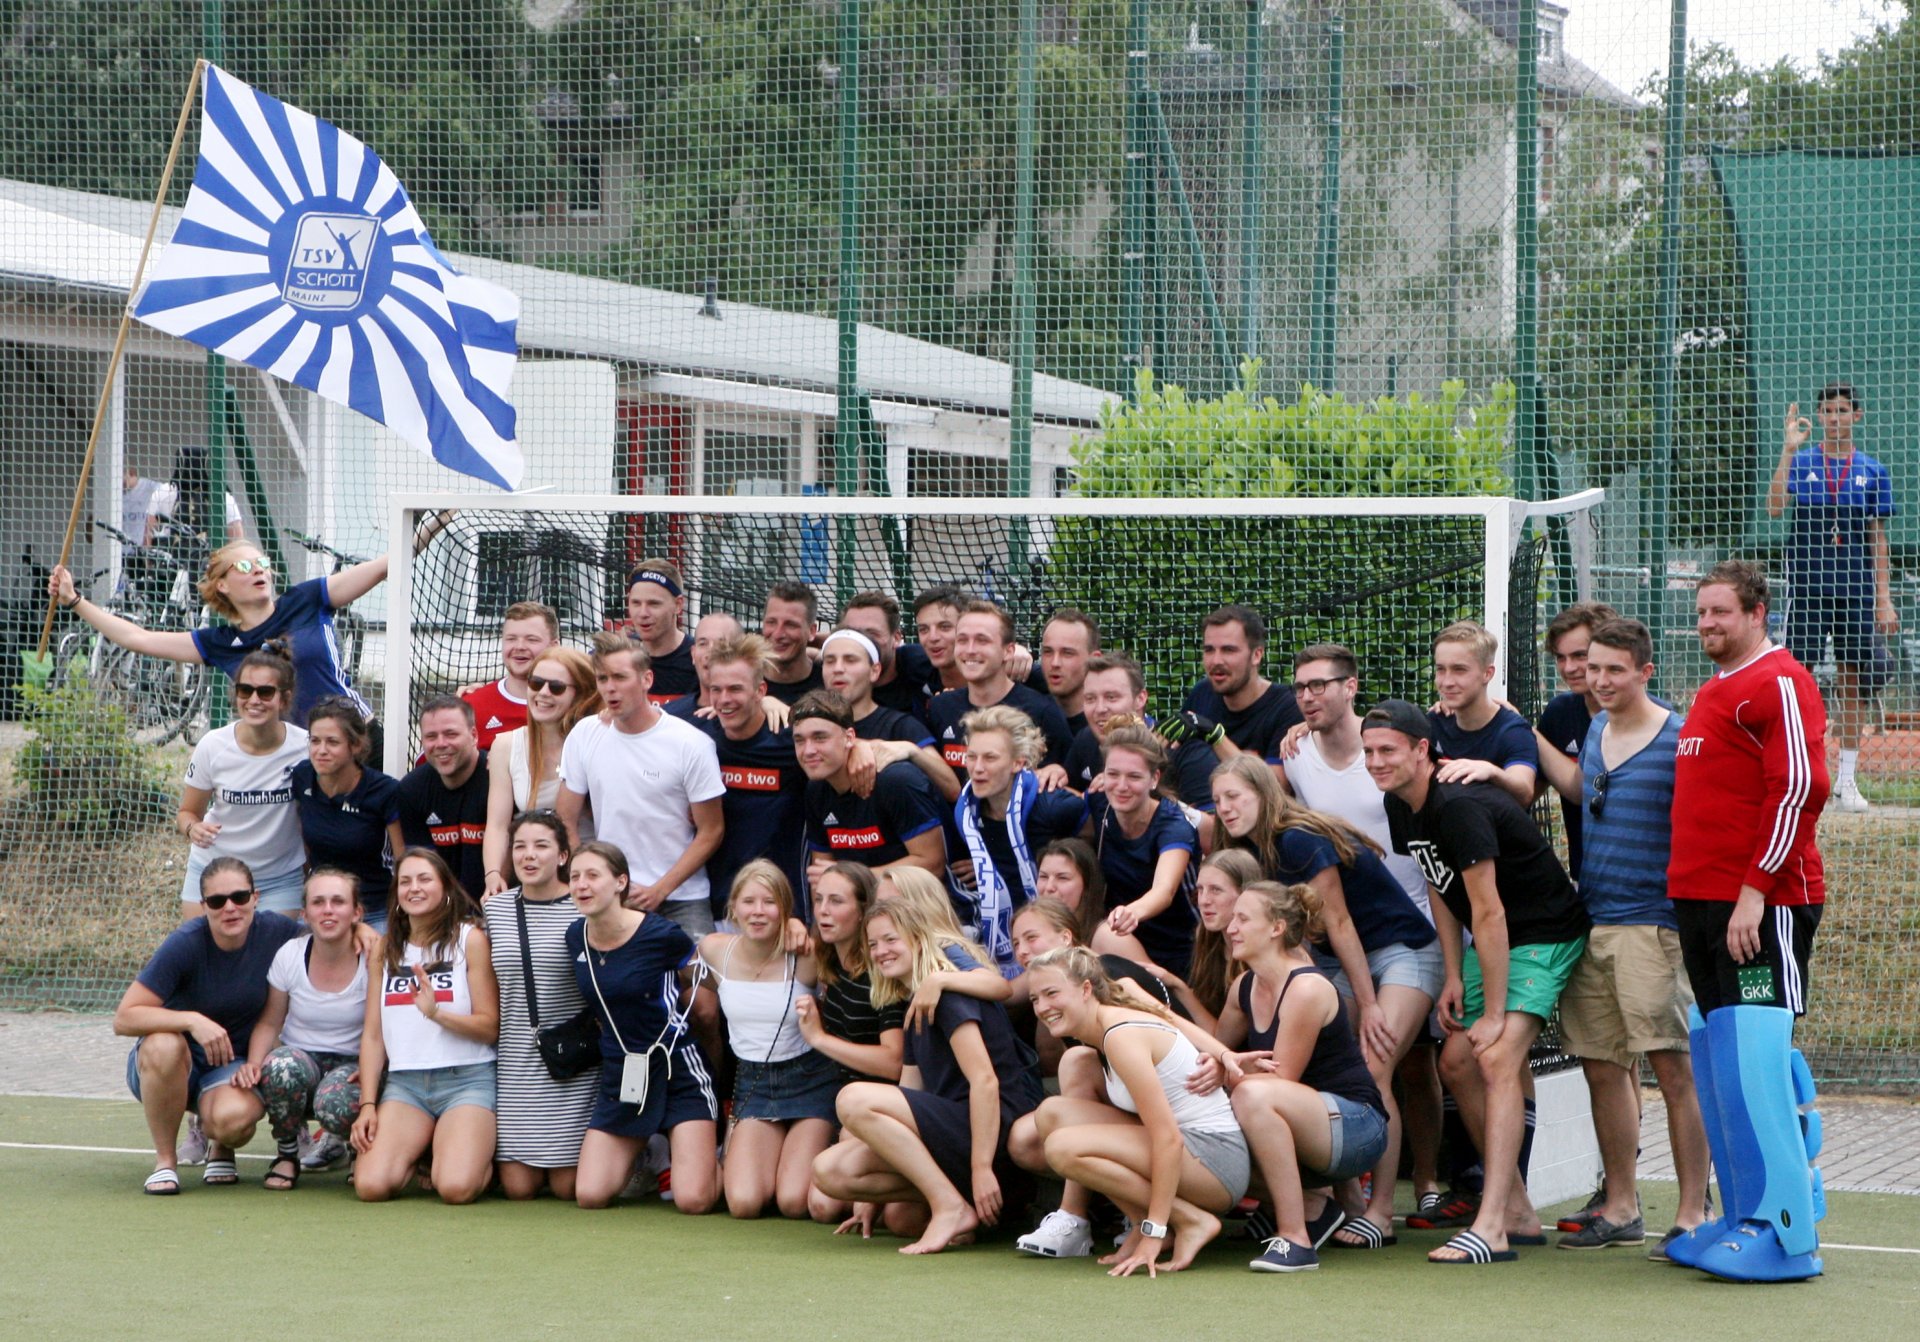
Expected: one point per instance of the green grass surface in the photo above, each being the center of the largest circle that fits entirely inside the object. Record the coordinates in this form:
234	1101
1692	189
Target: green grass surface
84	1255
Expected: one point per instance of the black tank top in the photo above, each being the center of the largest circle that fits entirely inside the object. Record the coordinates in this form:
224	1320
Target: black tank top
1335	1065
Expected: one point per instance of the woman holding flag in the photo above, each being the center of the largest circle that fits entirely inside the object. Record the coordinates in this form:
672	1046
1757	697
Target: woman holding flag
1005	819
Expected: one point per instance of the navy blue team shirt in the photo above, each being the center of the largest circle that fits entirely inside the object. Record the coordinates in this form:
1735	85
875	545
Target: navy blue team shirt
762	807
1256	729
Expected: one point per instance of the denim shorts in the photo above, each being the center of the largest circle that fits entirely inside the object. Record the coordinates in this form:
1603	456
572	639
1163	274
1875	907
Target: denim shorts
1359	1137
282	894
1399	965
434	1090
787	1092
200	1077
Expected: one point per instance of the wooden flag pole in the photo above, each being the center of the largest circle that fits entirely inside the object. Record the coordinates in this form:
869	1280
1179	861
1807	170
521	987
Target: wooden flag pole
120	342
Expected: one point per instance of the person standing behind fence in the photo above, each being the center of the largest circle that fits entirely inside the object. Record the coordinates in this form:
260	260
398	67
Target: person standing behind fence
238	798
1837	565
303	1059
1628	995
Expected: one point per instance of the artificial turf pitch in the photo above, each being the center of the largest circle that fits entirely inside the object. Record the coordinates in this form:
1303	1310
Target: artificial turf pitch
83	1254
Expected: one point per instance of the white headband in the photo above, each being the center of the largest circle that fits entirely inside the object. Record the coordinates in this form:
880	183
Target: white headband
872	649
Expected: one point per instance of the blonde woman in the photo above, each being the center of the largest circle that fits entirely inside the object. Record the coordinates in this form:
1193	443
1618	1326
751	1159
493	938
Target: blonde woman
933	1147
783	1091
1173	1160
1005	818
238	585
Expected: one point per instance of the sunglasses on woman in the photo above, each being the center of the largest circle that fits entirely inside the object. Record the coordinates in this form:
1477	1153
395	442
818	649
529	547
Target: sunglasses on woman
550	686
246	566
237	898
244	690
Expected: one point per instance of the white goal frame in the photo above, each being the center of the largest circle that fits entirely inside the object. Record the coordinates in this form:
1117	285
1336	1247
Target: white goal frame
1503	525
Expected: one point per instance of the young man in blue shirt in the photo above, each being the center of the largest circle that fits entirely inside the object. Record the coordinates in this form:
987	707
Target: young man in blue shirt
1475	739
1628	995
1837	565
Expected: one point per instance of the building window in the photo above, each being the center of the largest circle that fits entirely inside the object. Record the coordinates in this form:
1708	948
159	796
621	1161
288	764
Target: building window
950	475
1550	39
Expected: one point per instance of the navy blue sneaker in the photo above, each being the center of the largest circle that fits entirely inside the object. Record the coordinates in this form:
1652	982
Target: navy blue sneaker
1283	1255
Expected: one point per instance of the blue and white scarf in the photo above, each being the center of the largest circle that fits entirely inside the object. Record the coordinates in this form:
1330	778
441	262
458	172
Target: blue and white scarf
995	896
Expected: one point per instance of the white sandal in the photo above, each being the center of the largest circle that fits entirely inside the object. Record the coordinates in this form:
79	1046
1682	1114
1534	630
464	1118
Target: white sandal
163	1182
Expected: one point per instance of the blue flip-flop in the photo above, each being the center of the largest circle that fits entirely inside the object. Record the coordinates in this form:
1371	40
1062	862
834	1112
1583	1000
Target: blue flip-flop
1478	1253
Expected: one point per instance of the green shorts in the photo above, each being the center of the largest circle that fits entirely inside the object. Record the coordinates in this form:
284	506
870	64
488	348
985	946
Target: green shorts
1535	976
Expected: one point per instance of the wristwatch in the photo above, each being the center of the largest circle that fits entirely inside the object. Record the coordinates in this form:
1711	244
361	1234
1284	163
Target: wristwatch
1152	1229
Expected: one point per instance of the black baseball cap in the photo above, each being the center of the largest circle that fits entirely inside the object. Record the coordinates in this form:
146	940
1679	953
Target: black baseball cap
1401	716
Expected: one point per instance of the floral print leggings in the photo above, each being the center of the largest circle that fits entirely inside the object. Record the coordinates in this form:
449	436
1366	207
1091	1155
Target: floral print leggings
296	1085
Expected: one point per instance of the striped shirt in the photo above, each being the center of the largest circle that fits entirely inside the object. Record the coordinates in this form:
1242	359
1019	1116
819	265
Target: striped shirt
541	1121
1623	872
847	1011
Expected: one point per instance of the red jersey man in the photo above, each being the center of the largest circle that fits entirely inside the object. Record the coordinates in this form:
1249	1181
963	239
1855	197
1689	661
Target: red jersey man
1749	784
526	632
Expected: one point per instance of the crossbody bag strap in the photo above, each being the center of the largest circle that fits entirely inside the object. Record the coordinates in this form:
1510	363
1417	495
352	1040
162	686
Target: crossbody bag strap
593	978
526	961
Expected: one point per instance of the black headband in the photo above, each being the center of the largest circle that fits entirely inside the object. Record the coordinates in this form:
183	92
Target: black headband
654	575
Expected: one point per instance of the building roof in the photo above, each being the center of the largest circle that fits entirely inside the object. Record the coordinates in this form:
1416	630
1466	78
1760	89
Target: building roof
1565	75
51	236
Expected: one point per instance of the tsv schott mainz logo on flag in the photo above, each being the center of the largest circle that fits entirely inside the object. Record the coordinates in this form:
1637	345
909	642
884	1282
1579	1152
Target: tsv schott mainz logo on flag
299	253
330	260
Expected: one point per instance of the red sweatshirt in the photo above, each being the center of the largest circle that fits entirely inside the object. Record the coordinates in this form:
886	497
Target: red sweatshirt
1749	784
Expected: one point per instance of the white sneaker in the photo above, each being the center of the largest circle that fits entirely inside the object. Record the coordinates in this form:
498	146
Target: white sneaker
192	1149
325	1153
1847	798
1059	1235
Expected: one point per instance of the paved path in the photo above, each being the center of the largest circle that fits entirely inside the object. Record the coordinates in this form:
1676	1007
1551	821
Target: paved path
1872	1145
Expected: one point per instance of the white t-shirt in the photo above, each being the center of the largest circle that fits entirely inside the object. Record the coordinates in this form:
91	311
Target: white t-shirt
252	800
319	1022
1352	795
642	788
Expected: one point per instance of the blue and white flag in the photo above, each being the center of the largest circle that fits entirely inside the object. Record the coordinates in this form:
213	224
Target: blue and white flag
299	253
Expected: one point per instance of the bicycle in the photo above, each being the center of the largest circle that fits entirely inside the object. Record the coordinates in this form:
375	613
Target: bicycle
349	626
162	699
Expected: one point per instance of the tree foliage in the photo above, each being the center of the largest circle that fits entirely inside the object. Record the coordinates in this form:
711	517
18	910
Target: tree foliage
1380	585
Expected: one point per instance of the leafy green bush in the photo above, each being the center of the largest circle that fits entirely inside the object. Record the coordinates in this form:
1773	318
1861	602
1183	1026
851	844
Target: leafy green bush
1383	586
81	770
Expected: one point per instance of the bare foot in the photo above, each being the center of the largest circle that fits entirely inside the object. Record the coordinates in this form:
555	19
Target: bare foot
1125	1247
944	1229
1190	1235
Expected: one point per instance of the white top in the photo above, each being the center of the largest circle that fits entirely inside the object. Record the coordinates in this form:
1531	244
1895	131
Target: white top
520	769
319	1022
415	1043
1212	1112
252	800
762	1025
1352	795
642	786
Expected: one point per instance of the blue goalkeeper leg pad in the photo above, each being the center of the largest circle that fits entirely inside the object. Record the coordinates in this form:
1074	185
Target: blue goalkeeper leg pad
1759	1091
1688	1248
